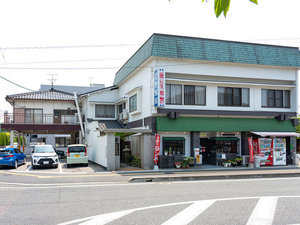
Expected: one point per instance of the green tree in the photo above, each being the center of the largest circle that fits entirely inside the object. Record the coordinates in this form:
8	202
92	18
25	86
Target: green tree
222	6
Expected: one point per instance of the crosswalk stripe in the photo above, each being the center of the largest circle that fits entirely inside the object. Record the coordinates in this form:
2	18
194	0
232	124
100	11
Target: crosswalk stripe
107	218
190	213
263	212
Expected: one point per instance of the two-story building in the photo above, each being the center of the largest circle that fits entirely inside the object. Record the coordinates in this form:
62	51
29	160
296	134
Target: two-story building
197	92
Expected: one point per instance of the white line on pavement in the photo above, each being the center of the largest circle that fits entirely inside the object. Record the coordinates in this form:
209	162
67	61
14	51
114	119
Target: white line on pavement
28	168
60	168
107	218
190	213
264	211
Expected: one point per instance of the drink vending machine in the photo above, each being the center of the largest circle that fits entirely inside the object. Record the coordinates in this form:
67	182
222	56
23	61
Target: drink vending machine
271	151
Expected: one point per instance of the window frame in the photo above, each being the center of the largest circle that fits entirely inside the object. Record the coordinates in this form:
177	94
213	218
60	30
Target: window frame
195	92
181	100
272	98
230	91
96	116
135	109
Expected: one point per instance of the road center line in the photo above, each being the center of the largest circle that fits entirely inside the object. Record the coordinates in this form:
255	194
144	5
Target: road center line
264	211
190	213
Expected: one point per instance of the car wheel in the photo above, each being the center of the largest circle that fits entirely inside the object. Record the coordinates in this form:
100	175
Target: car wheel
16	164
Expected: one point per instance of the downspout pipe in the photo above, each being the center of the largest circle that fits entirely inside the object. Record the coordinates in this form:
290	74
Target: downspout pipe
79	115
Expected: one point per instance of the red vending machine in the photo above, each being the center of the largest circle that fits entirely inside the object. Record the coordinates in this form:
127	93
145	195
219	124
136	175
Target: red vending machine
264	148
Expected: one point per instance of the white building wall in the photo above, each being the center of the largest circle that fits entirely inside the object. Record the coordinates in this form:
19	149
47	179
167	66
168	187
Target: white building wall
96	144
47	106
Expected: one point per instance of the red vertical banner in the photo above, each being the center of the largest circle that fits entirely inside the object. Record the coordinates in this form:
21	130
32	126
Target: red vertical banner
251	155
157	148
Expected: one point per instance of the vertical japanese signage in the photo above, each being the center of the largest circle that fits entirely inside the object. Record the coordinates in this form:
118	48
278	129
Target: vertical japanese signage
251	155
159	87
157	148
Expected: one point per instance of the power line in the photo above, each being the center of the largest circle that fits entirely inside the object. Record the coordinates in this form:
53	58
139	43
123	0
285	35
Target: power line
68	47
63	61
15	84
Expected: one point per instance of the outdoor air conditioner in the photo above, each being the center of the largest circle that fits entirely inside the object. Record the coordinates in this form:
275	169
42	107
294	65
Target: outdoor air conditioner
125	115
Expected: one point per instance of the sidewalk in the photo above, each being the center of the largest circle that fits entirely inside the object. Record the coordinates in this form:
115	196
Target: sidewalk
210	173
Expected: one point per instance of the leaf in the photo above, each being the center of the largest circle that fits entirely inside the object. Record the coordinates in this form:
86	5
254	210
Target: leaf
222	6
254	1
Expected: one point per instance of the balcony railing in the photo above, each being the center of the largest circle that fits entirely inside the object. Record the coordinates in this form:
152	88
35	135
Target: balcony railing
21	118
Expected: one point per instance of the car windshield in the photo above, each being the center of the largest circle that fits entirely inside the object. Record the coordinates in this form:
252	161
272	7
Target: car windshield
5	152
43	149
77	149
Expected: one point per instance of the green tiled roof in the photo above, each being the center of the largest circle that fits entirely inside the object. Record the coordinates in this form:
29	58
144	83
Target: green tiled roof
179	47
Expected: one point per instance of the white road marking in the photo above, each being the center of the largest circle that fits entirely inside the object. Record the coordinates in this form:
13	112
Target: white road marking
190	213
266	199
264	211
29	167
60	168
107	218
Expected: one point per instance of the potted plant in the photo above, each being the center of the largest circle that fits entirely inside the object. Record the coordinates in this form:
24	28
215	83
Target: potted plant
177	164
190	160
239	161
170	151
233	163
227	163
166	152
185	164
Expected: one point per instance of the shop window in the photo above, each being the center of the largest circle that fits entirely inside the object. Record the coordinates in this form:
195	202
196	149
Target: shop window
175	145
105	111
275	98
133	103
194	95
233	96
173	94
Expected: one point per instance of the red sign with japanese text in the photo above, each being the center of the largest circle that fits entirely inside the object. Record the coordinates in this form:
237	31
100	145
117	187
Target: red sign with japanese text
251	155
157	148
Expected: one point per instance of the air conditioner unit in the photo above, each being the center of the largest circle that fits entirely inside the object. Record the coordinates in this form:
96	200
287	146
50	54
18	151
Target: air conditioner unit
125	115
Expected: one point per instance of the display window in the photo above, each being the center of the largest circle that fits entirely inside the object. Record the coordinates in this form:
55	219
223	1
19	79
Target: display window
174	145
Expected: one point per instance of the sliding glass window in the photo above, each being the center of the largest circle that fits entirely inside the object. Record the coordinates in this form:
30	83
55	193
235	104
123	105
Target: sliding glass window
275	98
233	96
194	95
173	94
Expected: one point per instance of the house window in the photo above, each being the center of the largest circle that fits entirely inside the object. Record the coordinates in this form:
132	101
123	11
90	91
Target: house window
133	103
275	98
105	111
62	141
121	107
233	96
173	94
194	95
34	116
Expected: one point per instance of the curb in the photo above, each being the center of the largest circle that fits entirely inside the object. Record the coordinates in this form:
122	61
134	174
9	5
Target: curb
216	177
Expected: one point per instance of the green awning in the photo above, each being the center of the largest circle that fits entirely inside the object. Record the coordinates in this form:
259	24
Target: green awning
173	138
223	124
225	138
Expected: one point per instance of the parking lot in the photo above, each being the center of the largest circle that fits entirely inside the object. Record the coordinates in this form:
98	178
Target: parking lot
62	168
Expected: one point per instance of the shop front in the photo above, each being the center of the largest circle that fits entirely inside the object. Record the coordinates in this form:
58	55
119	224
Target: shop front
218	140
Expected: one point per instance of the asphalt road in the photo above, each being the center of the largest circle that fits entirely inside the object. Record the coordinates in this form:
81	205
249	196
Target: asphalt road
268	201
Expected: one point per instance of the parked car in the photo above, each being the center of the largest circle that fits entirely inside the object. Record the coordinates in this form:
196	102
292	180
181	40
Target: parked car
12	157
60	153
44	156
77	154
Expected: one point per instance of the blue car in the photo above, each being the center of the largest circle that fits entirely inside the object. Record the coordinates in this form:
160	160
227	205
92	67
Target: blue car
12	157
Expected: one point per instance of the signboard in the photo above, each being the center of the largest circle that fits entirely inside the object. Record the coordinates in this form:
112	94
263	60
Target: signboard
157	148
159	87
251	155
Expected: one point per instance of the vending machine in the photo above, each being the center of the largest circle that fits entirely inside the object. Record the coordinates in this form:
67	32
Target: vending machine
279	152
263	148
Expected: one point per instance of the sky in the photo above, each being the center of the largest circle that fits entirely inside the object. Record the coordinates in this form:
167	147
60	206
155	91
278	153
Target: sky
81	42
